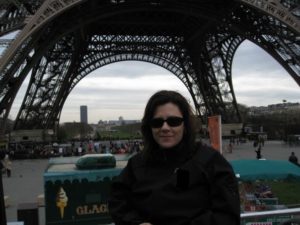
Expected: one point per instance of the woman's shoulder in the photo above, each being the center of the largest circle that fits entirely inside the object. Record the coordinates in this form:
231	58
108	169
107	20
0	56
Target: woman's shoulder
202	148
205	153
212	158
137	159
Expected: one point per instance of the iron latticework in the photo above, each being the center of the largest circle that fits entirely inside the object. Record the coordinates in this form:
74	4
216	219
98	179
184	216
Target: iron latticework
62	41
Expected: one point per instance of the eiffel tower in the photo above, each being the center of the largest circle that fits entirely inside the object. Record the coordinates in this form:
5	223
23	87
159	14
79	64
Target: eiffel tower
61	41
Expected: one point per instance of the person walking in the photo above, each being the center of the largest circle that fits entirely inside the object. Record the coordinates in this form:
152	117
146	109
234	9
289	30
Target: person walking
8	165
293	159
174	180
258	152
230	147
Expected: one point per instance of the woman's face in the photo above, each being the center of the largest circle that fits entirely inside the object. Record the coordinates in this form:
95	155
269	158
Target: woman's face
168	136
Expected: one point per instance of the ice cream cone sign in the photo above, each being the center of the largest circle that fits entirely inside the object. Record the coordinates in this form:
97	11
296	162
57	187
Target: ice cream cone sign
61	201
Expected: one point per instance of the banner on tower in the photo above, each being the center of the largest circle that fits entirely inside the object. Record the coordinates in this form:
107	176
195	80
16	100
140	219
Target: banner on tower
215	132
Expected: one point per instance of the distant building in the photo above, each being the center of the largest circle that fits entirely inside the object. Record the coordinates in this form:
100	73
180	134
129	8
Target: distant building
274	108
121	122
83	114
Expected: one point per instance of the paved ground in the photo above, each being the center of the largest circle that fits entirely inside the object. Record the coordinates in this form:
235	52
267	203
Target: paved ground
24	185
271	150
26	182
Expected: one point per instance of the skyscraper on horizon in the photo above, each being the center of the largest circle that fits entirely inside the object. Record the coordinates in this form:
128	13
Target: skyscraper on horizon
83	114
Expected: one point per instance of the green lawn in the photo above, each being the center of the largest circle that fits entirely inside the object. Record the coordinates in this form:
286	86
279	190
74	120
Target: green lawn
287	191
129	131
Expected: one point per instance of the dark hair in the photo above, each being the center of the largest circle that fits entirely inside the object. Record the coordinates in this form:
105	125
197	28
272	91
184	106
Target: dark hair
161	98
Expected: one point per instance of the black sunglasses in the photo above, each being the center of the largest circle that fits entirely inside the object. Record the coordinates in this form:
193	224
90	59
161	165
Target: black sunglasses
172	121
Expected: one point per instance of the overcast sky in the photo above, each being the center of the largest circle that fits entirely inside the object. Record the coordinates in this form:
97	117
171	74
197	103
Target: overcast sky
123	88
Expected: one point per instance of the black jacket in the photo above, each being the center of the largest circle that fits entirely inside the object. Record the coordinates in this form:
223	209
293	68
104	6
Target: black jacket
178	190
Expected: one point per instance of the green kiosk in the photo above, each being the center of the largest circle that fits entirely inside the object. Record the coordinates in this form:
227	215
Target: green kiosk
77	189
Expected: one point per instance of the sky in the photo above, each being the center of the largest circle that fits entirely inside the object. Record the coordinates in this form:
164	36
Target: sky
123	88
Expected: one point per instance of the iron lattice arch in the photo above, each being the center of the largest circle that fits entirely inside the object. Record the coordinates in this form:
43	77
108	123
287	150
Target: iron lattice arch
62	41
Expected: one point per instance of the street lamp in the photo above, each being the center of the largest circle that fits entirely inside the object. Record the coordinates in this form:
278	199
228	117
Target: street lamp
2	204
285	122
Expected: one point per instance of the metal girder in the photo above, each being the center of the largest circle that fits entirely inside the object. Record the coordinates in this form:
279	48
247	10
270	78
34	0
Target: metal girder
50	88
5	42
13	14
281	42
65	40
213	68
286	12
287	53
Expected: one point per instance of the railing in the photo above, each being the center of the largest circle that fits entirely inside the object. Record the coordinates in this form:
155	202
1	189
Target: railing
273	216
267	214
5	42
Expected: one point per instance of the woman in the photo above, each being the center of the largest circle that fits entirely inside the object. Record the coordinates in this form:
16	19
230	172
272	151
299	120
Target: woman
174	181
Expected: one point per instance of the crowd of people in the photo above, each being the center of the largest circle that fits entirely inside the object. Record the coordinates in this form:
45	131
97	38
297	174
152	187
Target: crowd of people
39	150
